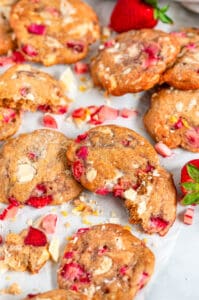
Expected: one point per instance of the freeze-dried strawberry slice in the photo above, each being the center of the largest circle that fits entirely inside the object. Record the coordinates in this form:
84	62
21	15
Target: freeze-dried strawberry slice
9	115
49	121
76	46
81	137
18	57
69	254
75	272
82	152
178	124
35	237
79	113
102	191
163	149
29	50
77	169
158	222
81	67
123	270
13	201
106	113
102	250
127	113
192	136
39	202
109	44
49	223
11	210
152	51
38	29
143	280
82	230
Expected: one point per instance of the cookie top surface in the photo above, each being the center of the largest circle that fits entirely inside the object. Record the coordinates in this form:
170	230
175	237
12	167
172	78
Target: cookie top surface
105	262
17	256
38	173
58	31
32	89
174	118
184	74
117	160
6	35
134	61
10	121
57	295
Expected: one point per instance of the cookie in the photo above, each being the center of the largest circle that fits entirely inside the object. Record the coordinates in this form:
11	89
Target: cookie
10	121
134	61
117	160
184	74
59	31
57	295
7	41
173	118
38	173
27	88
105	262
20	254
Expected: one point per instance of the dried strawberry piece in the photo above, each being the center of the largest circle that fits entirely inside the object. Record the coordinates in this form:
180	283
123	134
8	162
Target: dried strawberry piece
49	223
9	115
125	143
109	44
158	222
192	136
178	124
39	202
35	237
44	108
74	288
102	191
82	230
69	254
29	50
32	156
127	113
11	210
152	51
78	169
24	91
123	270
49	121
163	149
106	113
38	29
75	272
13	201
76	46
149	168
79	113
81	137
82	152
32	295
191	46
118	191
18	57
143	280
5	60
41	189
61	110
102	250
81	67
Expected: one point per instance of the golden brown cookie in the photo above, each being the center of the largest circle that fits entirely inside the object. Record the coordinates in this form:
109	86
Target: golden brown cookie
10	121
32	89
173	118
117	160
134	61
59	31
37	174
27	251
7	41
105	262
184	74
57	295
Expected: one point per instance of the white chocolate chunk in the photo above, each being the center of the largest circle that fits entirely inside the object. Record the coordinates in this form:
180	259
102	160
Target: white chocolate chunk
25	172
105	266
54	249
91	174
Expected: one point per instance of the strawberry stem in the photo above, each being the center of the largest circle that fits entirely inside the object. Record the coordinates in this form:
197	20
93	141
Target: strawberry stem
160	13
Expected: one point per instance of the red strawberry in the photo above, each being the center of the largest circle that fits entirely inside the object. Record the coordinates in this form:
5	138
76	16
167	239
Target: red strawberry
35	237
82	152
77	169
190	182
81	137
137	14
49	121
39	202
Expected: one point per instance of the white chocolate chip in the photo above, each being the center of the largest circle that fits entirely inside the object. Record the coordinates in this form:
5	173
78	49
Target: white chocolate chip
105	266
119	243
25	172
141	207
179	106
130	194
91	174
54	249
69	81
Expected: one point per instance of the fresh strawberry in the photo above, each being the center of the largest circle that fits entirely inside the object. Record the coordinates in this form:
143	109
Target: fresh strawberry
48	223
190	182
137	14
49	121
35	237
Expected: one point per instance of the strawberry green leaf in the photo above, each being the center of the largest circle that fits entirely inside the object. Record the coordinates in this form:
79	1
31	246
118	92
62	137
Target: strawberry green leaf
191	186
164	8
193	172
164	18
191	199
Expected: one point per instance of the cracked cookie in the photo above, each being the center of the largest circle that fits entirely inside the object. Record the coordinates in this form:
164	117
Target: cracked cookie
34	170
117	160
105	262
59	31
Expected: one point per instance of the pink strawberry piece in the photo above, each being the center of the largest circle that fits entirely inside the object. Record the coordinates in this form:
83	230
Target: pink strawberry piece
78	169
81	137
41	189
82	230
191	46
163	149
102	250
74	288
38	29
123	270
69	254
11	212
127	113
158	222
125	143
24	91
9	115
76	46
192	136
39	202
178	124
5	60
35	237
179	34
62	110
81	67
49	121
107	113
32	295
102	191
29	50
79	113
32	156
72	271
149	168
44	108
188	216
143	280
118	190
109	44
49	223
13	201
82	152
17	57
152	51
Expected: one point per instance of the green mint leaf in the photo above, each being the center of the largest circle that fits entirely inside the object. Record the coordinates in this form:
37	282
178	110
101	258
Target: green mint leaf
193	172
153	3
191	199
191	186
